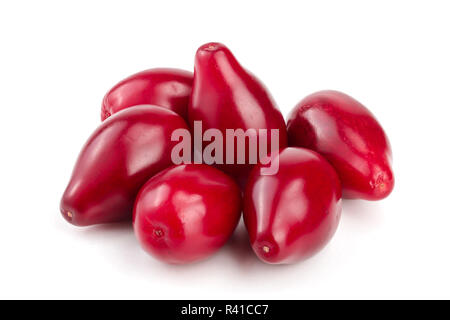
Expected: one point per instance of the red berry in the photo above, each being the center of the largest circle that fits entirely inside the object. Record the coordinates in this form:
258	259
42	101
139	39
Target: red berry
168	88
119	157
291	215
186	213
226	96
349	137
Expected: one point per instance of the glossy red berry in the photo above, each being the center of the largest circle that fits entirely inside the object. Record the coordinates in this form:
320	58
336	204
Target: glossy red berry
186	213
347	134
119	157
226	96
292	214
168	88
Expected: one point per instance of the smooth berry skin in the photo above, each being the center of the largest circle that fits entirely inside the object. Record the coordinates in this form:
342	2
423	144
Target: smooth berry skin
168	88
116	161
291	215
347	134
186	213
226	96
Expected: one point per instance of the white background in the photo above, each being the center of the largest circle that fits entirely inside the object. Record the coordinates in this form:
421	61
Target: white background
58	58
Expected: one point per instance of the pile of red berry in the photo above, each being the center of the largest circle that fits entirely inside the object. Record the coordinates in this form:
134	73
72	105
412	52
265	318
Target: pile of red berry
183	155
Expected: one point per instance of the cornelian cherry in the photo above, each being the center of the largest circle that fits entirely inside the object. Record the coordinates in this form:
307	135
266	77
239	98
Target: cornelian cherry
186	213
291	215
119	157
226	96
347	134
168	88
